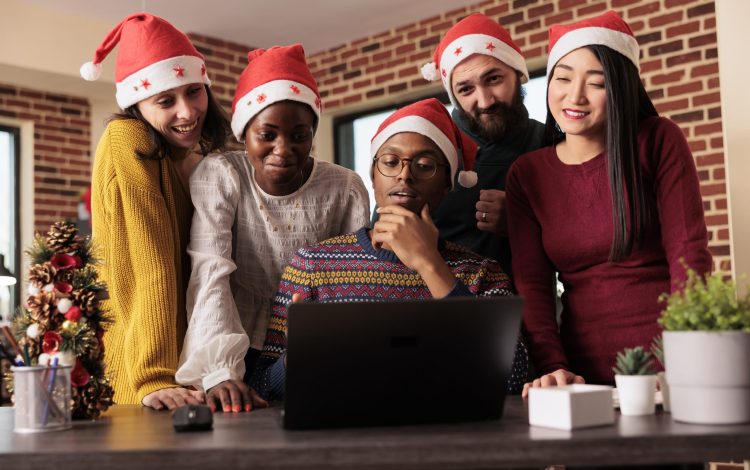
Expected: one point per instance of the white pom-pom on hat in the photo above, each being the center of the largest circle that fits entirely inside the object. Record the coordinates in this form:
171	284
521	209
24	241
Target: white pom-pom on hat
430	72
91	71
467	179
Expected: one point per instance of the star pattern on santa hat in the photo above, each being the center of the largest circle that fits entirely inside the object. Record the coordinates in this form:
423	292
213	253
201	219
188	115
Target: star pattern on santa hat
203	69
179	71
317	103
145	83
490	47
458	51
260	98
444	73
295	89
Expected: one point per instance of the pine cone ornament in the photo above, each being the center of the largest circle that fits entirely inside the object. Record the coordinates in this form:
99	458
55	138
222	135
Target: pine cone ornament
89	401
42	274
40	308
87	301
63	237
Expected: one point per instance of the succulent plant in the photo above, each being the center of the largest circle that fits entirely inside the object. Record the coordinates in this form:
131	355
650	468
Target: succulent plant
634	361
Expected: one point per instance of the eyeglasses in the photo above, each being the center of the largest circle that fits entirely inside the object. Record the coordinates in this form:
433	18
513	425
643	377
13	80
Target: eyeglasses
421	168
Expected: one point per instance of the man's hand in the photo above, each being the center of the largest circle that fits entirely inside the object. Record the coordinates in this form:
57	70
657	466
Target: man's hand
413	237
491	214
234	395
557	378
171	398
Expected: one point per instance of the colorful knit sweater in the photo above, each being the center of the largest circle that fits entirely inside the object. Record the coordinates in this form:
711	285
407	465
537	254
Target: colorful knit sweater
348	268
141	221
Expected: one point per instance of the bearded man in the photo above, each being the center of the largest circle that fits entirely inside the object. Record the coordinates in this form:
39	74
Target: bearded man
482	70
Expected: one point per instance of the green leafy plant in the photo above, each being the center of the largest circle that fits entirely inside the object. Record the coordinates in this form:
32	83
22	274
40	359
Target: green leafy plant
634	361
657	349
706	304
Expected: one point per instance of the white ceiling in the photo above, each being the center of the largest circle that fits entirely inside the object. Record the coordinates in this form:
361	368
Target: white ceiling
317	24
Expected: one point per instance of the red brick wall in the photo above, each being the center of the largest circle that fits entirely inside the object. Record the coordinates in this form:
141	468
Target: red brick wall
62	159
679	66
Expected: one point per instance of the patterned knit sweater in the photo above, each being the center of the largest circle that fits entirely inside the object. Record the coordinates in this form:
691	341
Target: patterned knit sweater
349	269
141	222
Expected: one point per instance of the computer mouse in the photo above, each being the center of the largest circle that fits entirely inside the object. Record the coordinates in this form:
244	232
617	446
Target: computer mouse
192	418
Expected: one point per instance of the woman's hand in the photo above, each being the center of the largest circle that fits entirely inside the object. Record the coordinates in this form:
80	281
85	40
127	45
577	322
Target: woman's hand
174	397
558	377
234	395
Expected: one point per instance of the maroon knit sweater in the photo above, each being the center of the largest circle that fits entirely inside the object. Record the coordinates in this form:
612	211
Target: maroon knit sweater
560	219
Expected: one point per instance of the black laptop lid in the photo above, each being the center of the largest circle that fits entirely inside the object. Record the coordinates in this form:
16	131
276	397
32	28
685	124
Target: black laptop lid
399	362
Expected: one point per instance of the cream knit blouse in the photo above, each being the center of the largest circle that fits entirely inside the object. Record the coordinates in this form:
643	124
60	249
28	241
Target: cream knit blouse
240	240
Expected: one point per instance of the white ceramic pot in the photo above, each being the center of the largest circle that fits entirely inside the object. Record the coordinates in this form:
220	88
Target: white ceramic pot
709	376
636	394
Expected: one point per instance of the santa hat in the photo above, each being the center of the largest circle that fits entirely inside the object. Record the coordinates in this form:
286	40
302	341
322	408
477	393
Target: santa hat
272	75
475	34
607	29
430	118
153	57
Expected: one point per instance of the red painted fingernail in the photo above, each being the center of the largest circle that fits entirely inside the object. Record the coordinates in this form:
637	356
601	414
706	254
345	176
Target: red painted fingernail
248	407
236	408
227	408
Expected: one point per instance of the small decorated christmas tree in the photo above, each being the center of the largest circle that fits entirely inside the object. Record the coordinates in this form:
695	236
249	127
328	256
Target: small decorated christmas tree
62	316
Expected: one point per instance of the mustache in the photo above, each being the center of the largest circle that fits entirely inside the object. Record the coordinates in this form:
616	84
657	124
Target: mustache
493	109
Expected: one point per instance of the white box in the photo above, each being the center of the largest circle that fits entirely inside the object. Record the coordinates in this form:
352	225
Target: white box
571	406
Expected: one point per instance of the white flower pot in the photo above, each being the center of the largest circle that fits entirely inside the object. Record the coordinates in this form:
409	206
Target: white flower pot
709	376
636	394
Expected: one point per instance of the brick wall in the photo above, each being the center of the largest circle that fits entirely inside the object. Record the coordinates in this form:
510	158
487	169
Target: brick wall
62	159
679	66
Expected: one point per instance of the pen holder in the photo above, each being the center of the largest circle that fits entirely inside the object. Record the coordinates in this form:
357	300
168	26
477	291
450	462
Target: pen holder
42	398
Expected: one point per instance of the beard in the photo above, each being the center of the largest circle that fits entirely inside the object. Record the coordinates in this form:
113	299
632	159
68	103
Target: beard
499	121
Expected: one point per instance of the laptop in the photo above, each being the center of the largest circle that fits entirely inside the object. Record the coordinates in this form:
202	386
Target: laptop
358	364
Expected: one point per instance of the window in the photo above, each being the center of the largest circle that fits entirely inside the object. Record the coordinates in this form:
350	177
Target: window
10	233
353	133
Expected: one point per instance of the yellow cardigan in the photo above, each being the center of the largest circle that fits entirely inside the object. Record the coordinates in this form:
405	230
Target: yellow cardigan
141	224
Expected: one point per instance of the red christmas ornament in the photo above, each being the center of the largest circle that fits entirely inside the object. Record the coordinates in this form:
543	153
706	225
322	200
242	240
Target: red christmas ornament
51	342
79	376
63	261
73	314
63	287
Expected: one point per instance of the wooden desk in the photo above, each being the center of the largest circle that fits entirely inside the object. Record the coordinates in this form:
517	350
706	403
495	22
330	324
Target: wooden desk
135	438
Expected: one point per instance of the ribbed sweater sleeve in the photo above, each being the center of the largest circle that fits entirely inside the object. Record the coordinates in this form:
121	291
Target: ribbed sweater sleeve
131	224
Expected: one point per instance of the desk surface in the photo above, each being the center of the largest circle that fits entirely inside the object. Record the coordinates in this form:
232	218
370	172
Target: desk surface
135	438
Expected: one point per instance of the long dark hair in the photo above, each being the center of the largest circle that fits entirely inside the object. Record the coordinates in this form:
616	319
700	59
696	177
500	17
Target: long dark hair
216	130
627	105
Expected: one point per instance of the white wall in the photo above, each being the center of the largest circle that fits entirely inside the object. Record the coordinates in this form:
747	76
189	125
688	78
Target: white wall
734	70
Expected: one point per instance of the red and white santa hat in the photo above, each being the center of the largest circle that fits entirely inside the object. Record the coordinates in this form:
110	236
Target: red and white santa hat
475	34
430	118
153	57
272	75
607	29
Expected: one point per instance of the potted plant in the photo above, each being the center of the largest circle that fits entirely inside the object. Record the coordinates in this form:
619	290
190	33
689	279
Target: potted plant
657	349
636	381
707	351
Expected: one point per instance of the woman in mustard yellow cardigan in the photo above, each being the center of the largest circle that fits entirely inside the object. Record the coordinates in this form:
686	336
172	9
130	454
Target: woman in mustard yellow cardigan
141	203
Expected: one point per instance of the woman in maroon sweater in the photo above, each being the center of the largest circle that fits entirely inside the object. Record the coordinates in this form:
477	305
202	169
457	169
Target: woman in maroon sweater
613	206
